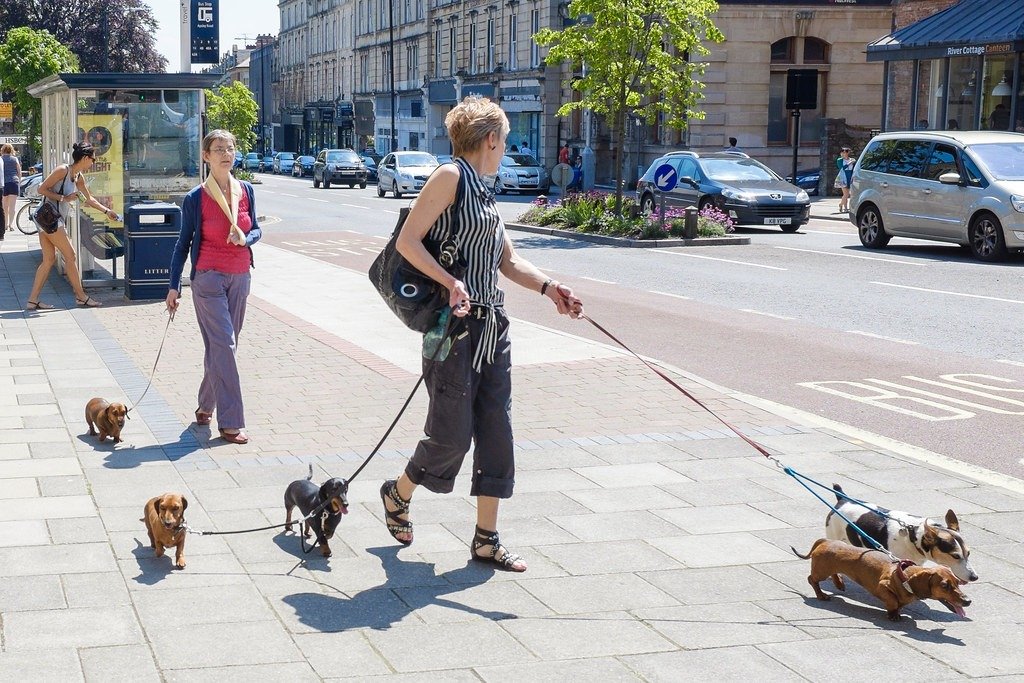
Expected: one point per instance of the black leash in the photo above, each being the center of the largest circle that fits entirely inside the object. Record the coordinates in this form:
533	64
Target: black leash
152	374
313	513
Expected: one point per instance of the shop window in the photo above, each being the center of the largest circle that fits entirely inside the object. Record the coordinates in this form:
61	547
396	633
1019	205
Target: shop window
812	51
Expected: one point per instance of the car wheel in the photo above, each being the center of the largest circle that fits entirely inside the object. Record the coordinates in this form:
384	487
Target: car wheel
394	188
704	203
647	203
870	228
351	186
499	187
316	183
380	190
986	235
362	186
792	227
327	183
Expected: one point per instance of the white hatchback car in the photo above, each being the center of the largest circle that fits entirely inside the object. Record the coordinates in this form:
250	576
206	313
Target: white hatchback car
404	172
964	187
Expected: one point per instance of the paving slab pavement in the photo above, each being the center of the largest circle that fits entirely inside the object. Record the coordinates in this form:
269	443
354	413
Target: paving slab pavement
658	541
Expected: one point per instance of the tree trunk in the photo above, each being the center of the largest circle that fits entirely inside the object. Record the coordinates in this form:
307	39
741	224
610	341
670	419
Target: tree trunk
620	117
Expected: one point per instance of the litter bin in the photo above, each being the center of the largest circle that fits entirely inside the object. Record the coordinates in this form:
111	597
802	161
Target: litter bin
151	230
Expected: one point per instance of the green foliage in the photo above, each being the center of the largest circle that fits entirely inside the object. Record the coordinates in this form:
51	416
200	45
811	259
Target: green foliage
27	56
243	174
634	54
707	227
233	108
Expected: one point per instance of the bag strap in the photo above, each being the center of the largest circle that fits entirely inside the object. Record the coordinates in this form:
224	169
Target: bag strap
460	195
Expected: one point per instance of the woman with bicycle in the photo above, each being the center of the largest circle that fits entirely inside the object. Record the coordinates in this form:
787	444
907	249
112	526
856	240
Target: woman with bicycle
11	180
61	187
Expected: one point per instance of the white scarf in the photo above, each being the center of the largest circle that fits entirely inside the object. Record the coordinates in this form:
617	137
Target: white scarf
232	213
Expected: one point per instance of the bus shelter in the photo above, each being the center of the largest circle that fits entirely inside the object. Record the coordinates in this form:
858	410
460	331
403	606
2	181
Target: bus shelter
147	131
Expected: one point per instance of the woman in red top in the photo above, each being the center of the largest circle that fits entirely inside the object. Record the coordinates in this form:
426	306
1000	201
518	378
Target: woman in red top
218	227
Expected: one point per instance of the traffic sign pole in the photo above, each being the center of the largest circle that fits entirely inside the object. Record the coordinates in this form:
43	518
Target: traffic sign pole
665	178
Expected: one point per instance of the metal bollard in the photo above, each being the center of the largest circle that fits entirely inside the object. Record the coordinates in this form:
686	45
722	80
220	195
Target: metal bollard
690	225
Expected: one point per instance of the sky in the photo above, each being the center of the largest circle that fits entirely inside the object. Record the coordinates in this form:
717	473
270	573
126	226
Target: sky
237	18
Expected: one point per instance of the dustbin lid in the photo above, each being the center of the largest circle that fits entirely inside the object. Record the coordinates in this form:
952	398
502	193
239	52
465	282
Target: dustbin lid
152	207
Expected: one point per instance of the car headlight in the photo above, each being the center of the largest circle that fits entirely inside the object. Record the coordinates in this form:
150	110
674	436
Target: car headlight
1018	202
736	195
802	196
405	176
507	174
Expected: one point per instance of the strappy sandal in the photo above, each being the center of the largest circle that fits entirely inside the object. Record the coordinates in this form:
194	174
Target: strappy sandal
397	520
203	419
39	306
238	437
507	562
88	302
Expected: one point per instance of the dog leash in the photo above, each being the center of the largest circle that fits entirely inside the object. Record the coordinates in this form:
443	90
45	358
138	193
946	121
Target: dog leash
313	513
152	374
756	446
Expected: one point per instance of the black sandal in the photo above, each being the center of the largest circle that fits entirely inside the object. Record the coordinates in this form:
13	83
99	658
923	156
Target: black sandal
39	306
507	562
88	302
394	518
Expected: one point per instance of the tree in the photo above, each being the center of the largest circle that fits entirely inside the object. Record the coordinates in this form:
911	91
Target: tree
636	57
107	35
27	56
233	108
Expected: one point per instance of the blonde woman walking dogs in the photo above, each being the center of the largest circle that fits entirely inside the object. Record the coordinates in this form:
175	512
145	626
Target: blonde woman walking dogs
63	186
470	390
218	229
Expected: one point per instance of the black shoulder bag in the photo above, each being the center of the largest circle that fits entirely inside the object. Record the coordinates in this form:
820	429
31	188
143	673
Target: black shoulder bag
415	298
48	216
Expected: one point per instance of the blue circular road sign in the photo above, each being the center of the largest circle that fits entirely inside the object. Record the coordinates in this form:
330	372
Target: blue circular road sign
665	178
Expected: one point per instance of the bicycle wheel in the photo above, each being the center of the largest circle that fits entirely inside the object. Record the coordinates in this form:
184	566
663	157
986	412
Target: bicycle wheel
24	218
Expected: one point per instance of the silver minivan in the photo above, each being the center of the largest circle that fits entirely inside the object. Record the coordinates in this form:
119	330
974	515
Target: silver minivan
963	187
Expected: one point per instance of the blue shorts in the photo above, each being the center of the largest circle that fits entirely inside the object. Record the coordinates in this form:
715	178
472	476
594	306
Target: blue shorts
11	187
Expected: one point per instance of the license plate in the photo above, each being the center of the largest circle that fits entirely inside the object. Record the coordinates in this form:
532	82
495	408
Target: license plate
778	221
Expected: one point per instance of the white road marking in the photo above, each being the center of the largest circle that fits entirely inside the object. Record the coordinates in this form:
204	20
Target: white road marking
314	199
354	206
674	296
285	194
372	250
1018	363
826	232
594	279
866	258
769	315
349	251
943	291
723	260
879	336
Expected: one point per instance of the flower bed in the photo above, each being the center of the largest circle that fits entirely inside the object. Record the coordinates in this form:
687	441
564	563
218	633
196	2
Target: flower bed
592	213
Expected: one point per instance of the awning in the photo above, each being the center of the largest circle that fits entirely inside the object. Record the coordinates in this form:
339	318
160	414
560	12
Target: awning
970	27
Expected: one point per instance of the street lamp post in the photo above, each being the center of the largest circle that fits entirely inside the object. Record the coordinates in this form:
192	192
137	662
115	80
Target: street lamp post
391	70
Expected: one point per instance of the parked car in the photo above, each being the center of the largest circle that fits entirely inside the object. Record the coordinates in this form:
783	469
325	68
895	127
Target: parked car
404	172
807	179
521	173
30	185
963	187
746	190
238	160
443	158
283	162
341	166
371	167
303	166
251	161
266	164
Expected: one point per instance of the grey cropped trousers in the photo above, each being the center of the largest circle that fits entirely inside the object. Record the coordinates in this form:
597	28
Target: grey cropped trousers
219	299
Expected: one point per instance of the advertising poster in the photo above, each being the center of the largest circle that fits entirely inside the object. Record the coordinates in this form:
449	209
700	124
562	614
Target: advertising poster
105	179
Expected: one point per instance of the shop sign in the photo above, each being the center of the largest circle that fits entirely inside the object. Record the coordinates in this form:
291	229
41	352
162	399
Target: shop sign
327	115
13	140
6	111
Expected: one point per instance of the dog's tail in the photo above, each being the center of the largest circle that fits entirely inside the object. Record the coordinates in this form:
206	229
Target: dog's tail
309	477
837	489
802	557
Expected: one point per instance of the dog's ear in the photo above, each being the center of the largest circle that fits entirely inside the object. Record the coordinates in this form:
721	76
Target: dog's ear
930	537
335	505
951	521
127	414
184	504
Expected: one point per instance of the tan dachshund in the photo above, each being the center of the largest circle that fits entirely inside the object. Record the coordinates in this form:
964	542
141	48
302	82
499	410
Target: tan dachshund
888	581
165	521
107	417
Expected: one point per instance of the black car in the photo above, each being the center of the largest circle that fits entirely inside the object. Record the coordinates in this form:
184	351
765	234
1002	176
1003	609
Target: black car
746	190
807	179
371	167
341	166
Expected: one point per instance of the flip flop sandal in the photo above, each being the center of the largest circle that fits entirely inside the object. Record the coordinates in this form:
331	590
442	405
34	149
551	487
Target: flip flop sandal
88	302
39	306
203	418
507	562
394	518
237	437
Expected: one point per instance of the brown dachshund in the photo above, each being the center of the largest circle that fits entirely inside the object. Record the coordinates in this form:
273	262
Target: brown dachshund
108	417
165	521
888	581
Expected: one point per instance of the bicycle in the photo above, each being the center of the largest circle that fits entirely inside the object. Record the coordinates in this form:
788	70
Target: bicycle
25	220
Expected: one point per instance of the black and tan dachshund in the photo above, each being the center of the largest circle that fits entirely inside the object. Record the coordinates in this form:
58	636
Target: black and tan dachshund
331	498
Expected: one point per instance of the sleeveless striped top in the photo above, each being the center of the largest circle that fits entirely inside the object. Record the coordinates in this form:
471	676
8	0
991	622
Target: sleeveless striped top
481	241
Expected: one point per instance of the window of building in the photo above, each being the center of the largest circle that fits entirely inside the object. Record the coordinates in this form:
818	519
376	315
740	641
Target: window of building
811	51
412	62
452	68
513	26
364	73
491	36
407	16
437	50
419	9
474	56
534	29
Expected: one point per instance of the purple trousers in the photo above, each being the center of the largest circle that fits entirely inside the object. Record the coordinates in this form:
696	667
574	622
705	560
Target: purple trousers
219	299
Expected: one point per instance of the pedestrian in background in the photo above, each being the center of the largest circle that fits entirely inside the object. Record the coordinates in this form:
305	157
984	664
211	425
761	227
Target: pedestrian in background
732	146
64	185
563	153
577	174
11	171
844	176
525	149
218	228
470	390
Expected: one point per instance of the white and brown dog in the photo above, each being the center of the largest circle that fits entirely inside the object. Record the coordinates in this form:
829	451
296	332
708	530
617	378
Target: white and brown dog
904	535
